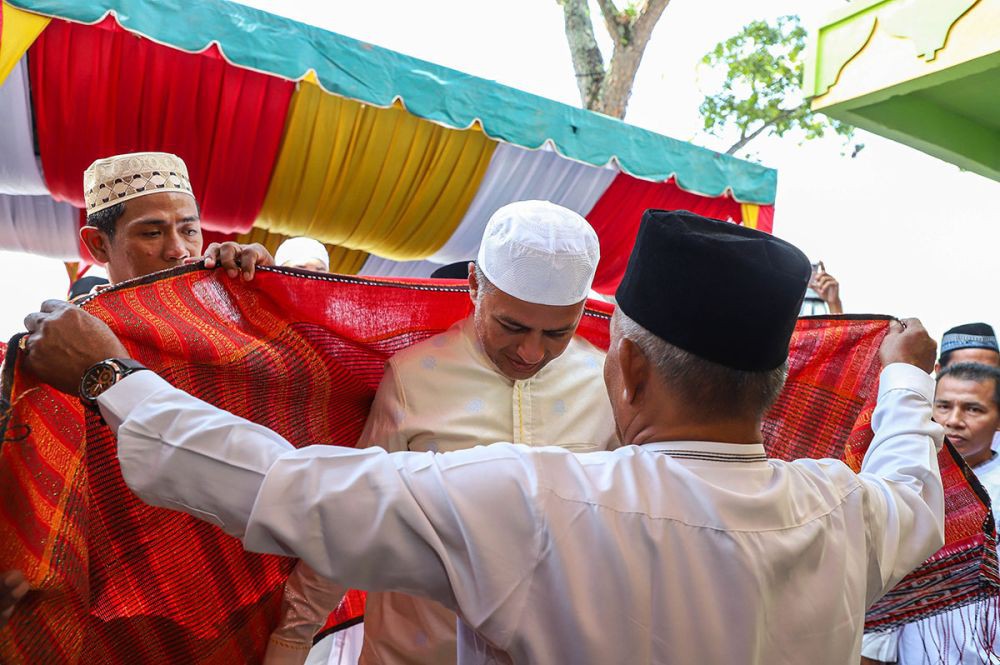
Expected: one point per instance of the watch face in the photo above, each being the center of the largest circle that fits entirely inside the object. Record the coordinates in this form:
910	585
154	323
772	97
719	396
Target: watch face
98	379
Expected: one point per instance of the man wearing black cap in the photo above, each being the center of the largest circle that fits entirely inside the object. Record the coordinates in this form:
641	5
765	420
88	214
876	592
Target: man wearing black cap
969	343
686	546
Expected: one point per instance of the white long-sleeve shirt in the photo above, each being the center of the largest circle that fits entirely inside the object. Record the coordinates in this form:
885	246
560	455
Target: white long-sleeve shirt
962	636
677	552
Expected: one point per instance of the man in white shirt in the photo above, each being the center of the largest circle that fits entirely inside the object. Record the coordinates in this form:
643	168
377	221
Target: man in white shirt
967	405
513	370
686	545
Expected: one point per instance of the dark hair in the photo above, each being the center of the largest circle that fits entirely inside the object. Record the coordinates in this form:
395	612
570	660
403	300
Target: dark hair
106	220
946	356
977	372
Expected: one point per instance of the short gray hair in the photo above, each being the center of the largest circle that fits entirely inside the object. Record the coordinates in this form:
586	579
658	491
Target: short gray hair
709	386
485	285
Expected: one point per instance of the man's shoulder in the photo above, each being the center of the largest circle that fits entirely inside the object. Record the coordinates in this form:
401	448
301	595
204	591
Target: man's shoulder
581	361
441	354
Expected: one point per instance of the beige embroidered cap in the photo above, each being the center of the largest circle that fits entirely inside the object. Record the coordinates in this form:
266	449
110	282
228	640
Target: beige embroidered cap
122	177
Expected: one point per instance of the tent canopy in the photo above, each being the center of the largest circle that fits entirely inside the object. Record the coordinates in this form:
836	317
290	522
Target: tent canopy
393	162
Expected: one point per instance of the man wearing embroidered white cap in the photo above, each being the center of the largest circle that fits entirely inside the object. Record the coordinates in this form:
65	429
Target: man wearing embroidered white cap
512	371
303	253
142	217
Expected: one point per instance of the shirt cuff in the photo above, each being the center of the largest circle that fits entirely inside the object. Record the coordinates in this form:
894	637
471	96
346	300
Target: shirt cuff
120	399
903	376
880	646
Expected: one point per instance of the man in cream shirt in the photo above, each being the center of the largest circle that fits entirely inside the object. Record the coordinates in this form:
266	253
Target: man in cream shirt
511	371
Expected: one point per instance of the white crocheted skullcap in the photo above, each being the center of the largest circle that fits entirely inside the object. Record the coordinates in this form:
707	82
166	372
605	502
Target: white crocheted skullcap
540	252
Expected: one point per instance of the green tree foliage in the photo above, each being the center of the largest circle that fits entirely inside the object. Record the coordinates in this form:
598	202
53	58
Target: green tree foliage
762	90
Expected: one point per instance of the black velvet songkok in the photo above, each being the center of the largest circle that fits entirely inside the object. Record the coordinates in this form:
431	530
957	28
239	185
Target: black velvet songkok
721	291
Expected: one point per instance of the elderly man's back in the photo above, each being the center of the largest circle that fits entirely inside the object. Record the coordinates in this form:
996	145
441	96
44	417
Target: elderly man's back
711	553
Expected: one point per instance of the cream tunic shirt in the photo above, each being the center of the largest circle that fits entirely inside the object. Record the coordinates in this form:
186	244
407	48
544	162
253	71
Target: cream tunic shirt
680	552
445	394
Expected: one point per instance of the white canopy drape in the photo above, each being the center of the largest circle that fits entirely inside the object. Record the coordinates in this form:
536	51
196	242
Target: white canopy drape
19	171
39	225
514	174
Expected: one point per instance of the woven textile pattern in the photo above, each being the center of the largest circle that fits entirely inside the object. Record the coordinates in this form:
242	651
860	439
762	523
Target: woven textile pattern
117	581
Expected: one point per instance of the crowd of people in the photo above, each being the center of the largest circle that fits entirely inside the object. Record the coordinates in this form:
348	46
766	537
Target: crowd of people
632	515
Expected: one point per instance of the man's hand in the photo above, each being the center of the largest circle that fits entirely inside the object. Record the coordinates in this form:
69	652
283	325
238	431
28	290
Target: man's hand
64	341
827	288
237	259
908	342
13	587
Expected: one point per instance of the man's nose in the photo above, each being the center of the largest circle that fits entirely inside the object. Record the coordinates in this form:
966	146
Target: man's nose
531	351
175	249
953	419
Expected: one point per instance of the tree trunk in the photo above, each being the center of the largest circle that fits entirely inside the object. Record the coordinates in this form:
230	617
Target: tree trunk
608	90
588	63
617	85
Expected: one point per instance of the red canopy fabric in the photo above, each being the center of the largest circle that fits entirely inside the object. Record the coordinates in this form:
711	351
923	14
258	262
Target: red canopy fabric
617	214
765	218
101	90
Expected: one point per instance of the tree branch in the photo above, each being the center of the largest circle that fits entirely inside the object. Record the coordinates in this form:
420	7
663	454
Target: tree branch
610	14
649	14
746	138
588	62
630	43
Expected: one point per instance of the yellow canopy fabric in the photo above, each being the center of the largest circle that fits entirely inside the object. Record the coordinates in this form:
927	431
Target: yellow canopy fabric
20	30
750	212
342	260
372	179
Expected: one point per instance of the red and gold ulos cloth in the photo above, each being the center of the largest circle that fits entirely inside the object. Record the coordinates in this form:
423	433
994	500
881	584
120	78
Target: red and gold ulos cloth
117	581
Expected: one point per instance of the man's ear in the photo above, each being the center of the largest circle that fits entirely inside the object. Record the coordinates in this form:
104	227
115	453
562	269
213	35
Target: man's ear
473	282
635	370
97	243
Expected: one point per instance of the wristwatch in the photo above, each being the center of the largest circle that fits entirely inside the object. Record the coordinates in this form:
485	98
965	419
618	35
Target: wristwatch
105	374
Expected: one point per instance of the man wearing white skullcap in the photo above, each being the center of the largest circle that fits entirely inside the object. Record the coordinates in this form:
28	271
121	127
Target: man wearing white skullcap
512	371
304	253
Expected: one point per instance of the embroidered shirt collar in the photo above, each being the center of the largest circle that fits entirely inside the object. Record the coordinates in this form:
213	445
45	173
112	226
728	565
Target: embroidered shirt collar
709	451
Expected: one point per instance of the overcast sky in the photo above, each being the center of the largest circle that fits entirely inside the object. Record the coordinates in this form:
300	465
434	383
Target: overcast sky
906	234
